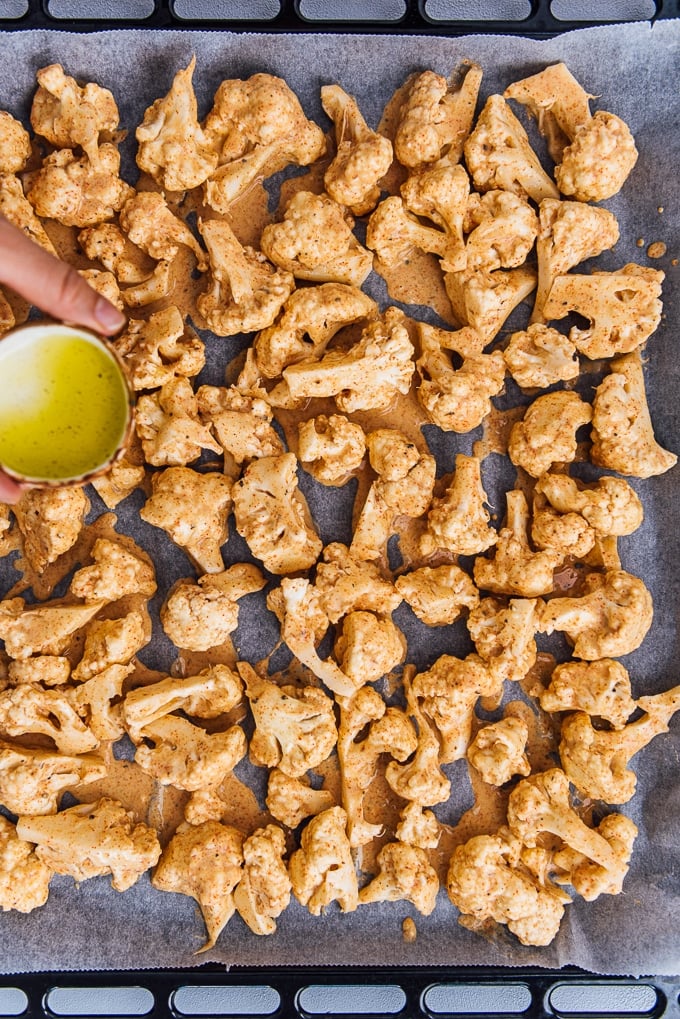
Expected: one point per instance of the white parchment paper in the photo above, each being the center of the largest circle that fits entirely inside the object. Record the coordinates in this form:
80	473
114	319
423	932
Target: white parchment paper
634	68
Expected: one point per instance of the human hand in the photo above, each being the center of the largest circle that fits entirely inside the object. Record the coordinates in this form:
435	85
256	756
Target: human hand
54	287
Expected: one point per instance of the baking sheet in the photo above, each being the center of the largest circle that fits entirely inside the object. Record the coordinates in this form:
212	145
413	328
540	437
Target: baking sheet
634	68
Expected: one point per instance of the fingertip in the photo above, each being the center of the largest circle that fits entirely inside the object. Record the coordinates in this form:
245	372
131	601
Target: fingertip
10	491
108	317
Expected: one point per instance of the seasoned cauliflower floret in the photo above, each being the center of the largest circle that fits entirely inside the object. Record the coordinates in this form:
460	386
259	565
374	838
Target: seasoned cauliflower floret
420	779
322	870
547	432
69	115
92	839
157	349
119	482
610	620
202	532
172	147
32	781
270	515
106	243
405	873
15	207
169	427
331	448
367	377
435	118
314	241
484	300
610	506
362	157
503	635
28	709
44	629
15	144
204	861
111	642
263	892
346	584
242	424
148	221
48	670
623	435
245	292
24	878
118	570
540	356
459	520
418	827
438	594
198	616
497	751
308	321
294	728
591	879
559	104
50	520
77	192
176	752
598	161
600	688
211	693
502	228
369	648
290	801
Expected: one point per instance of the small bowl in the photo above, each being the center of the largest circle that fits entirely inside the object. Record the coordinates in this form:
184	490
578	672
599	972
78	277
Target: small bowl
66	405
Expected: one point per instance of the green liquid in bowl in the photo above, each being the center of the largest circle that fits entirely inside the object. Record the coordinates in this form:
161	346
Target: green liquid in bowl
64	404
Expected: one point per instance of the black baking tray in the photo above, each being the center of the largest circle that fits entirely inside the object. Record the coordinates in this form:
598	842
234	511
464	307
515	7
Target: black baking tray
298	992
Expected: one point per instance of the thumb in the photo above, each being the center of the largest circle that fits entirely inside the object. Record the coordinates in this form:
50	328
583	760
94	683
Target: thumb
10	491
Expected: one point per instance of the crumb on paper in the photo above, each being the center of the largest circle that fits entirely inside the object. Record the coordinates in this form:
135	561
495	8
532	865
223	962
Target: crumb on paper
409	930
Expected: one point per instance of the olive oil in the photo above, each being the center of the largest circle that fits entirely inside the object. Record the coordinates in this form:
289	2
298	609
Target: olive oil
64	404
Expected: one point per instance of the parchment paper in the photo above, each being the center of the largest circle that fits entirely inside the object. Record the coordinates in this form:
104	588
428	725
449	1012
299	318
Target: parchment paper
635	69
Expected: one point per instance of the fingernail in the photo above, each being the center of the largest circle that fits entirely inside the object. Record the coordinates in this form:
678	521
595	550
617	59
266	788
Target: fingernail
109	318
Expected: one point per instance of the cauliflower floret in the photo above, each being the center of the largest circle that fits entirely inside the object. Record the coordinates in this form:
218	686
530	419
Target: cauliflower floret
204	861
435	119
15	144
547	433
44	629
596	760
569	233
176	752
557	101
498	155
420	780
111	642
438	594
590	879
15	207
32	781
270	515
245	292
48	670
331	448
70	115
385	731
242	424
106	243
611	506
369	648
28	709
294	729
118	570
456	400
346	584
598	161
290	801
263	892
77	192
314	241
623	308
600	688
322	870
172	147
515	568
97	701
447	694
204	531
503	635
623	436
418	827
484	299
158	349
405	873
24	878
362	156
366	377
502	228
566	534
258	128
92	839
610	620
497	751
310	318
50	521
119	482
169	427
211	693
540	356
149	223
459	521
487	880
200	616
